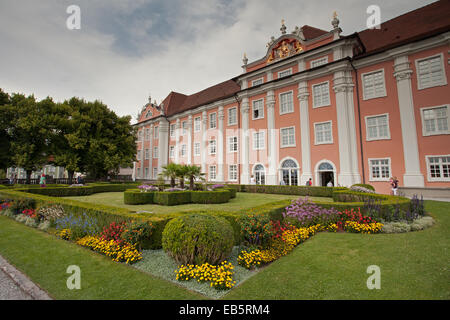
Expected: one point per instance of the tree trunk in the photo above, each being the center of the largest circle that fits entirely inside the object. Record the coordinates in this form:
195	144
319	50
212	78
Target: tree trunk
182	182
70	175
172	182
28	176
191	183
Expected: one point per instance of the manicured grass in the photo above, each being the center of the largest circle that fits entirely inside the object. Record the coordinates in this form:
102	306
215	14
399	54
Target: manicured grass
44	259
413	265
242	201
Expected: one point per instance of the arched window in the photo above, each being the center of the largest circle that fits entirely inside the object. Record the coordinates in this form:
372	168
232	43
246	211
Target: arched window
325	174
260	174
289	172
325	166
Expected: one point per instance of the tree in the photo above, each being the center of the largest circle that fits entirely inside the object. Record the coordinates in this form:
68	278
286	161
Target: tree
30	132
170	171
181	174
193	172
5	129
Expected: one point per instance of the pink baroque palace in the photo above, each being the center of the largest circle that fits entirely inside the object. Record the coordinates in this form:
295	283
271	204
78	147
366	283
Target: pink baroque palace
318	105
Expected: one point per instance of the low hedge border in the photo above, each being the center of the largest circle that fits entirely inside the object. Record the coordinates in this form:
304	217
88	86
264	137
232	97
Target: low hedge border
287	190
133	197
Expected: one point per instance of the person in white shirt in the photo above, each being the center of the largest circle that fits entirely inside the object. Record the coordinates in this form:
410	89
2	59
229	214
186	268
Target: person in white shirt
329	184
252	180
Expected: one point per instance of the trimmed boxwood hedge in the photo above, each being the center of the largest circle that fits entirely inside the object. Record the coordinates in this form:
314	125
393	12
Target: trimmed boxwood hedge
288	190
205	197
134	197
172	198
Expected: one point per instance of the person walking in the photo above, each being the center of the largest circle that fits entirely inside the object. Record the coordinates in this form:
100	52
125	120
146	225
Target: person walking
394	185
43	180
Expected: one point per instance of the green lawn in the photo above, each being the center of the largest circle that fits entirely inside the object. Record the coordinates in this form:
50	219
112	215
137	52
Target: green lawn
413	265
242	201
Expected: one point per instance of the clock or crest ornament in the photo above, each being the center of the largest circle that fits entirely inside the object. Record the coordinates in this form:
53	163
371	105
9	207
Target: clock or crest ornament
285	48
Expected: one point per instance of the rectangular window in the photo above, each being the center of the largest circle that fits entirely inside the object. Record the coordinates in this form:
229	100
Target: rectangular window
139	153
430	72
172	152
284	73
140	135
146	173
232	172
155	173
146	154
155	133
155	152
172	130
212	120
435	120
438	168
232	144
212	172
212	146
183	150
377	127
373	84
257	82
321	94
197	124
286	102
196	148
380	169
287	136
147	134
184	126
258	109
258	140
319	62
323	133
232	116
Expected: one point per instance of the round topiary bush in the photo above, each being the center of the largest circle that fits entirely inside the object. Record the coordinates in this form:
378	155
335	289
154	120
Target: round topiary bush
197	239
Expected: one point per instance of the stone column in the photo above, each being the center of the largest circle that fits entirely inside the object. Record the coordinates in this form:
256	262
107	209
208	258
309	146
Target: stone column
220	153
189	142
163	144
177	140
342	86
151	150
203	144
412	177
303	95
272	148
244	145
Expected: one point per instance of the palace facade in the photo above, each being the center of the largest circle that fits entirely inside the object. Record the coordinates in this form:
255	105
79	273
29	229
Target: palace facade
319	105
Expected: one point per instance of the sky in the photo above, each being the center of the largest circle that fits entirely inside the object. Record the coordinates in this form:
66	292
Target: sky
128	50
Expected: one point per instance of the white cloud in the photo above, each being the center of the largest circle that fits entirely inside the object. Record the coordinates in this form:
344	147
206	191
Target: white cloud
127	49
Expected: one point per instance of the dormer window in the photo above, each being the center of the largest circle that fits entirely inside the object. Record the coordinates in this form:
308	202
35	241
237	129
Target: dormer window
149	114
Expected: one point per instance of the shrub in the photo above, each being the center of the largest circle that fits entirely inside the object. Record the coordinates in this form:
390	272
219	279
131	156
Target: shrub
422	223
113	232
172	198
396	227
304	213
50	213
204	197
361	189
19	205
363	185
197	239
134	197
138	233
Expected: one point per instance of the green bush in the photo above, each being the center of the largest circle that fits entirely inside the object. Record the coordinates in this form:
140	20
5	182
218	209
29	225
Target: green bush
288	190
232	192
205	197
172	198
197	239
138	233
133	197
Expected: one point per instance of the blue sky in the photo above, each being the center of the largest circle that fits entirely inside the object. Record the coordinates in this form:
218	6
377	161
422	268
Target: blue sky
127	50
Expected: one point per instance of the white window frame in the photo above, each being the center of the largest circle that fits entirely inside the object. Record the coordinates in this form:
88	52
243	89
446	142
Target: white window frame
288	70
171	152
291	110
233	171
262	109
319	61
259	147
288	145
315	104
233	144
138	155
172	129
140	135
147	154
155	173
212	122
196	149
183	150
184	128
383	94
315	132
155	152
212	147
424	132
235	116
156	132
442	178
197	124
257	80
388	137
371	178
147	134
210	171
444	76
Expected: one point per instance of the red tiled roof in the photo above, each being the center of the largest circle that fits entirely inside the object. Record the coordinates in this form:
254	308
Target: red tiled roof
311	32
411	26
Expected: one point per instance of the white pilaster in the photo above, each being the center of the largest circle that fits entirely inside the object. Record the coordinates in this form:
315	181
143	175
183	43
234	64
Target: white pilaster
272	149
244	145
163	144
303	95
203	145
189	142
402	72
220	153
177	141
151	150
